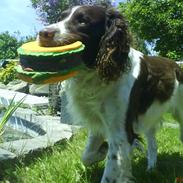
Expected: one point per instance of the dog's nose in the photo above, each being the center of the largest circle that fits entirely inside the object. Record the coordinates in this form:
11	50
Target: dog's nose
48	32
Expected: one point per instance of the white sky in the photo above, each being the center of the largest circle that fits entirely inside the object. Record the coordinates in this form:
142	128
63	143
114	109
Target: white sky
18	15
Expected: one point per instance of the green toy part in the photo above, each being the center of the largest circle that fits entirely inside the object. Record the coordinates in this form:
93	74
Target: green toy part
44	65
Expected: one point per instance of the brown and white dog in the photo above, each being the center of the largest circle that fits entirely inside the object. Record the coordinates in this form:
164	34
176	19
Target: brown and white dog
120	93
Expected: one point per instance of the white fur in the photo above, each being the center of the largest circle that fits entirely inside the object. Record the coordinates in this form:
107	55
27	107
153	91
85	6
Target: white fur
152	148
93	101
93	151
61	24
135	55
102	108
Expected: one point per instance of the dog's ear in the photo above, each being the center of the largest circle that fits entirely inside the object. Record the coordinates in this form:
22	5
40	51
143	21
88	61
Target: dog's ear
112	58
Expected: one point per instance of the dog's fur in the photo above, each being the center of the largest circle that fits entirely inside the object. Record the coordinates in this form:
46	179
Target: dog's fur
120	93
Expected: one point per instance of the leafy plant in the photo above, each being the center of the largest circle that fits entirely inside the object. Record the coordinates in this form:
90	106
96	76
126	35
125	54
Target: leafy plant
8	46
8	113
157	21
49	10
9	73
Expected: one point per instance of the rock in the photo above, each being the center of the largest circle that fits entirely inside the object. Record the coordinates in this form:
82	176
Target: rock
5	154
18	85
2	86
65	116
30	101
40	90
52	132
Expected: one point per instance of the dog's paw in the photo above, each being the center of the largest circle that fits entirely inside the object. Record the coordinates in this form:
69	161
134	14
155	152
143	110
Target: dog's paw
91	157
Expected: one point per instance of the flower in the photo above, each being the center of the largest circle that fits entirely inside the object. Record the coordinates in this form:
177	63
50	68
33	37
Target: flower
53	2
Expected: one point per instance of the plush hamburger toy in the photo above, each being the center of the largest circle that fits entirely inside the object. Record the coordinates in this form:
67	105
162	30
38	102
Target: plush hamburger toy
43	65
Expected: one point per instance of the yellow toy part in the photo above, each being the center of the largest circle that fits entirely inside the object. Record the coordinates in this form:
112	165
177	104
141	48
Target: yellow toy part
34	47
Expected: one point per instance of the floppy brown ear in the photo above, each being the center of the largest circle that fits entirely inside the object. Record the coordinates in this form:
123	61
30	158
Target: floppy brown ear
112	58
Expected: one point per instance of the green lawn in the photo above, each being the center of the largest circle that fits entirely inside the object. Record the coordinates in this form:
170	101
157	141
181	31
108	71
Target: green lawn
61	163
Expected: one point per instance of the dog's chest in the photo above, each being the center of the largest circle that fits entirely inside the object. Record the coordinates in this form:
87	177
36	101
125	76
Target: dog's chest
98	105
91	91
90	100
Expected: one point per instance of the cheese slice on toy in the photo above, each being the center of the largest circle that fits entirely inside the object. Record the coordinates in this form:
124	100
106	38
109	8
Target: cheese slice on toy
33	48
41	65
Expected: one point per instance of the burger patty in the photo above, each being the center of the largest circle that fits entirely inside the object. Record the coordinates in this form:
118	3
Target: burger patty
49	63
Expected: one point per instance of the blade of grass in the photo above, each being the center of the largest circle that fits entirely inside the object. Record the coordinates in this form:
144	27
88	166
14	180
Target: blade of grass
9	111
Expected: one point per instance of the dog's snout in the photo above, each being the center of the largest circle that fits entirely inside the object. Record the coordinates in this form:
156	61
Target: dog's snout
48	32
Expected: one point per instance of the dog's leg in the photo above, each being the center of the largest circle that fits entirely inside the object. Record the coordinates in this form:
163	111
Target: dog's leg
95	151
152	148
178	112
181	131
179	117
118	165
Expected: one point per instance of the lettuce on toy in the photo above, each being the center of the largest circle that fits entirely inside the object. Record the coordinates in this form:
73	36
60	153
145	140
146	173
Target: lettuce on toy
43	65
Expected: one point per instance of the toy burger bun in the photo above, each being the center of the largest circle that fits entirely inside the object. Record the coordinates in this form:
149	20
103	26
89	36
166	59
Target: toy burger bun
43	65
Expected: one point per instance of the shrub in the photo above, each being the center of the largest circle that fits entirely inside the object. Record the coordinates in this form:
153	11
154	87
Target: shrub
8	74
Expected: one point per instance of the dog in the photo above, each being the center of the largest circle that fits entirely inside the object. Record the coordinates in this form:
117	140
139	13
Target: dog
120	93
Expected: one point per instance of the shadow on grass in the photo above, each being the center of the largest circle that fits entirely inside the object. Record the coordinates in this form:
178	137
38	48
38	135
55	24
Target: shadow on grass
169	167
95	172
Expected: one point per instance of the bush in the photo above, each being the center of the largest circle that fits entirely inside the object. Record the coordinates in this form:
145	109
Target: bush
9	73
159	23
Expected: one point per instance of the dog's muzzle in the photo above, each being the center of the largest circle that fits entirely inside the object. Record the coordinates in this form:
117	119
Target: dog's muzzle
50	37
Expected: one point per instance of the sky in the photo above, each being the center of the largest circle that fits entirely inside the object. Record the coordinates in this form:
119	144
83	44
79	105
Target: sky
18	15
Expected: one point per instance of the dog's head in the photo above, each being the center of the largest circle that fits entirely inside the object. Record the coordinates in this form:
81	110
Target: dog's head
103	31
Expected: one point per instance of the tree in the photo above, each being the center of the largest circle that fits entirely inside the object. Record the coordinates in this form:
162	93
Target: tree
50	10
9	45
139	43
159	22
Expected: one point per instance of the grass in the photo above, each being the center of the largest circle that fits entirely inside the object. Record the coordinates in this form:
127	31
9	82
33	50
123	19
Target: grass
12	107
170	159
61	163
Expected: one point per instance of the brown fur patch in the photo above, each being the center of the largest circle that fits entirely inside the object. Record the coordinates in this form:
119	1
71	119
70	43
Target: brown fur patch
155	82
112	58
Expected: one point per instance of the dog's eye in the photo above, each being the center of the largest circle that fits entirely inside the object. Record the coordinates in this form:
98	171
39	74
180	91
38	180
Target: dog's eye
82	23
82	20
